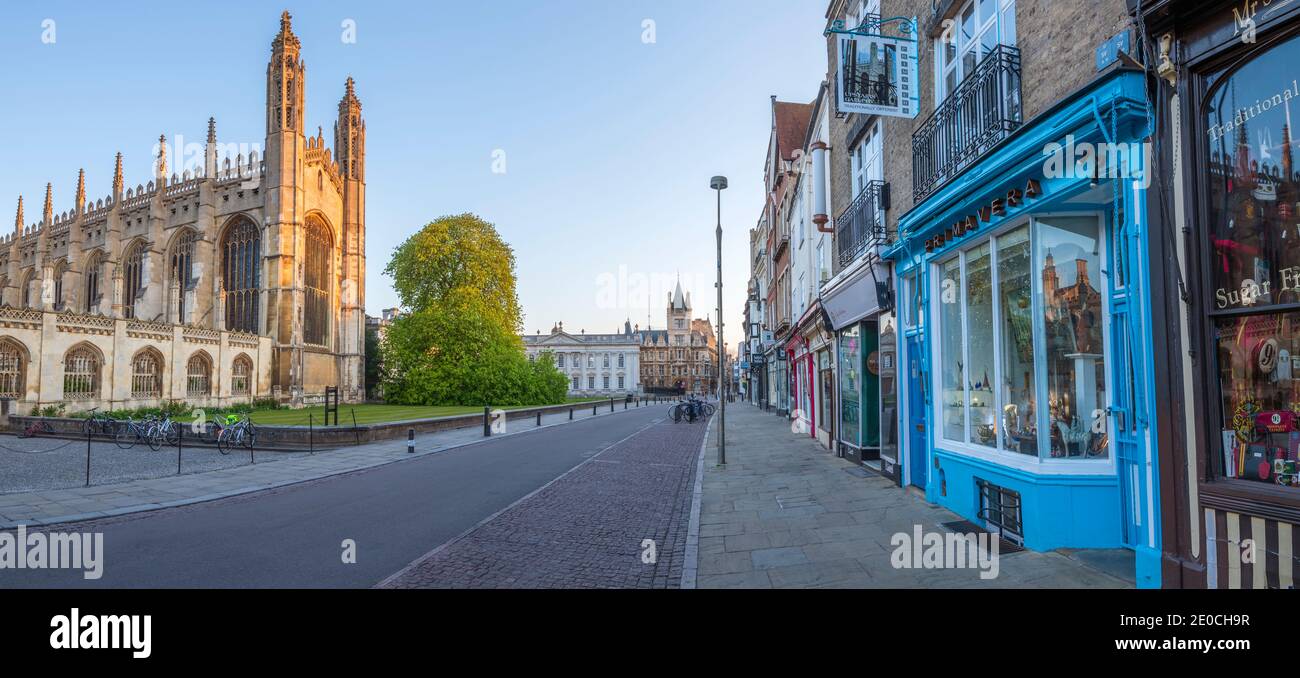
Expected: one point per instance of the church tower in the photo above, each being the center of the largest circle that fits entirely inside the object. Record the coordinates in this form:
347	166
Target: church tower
286	79
350	153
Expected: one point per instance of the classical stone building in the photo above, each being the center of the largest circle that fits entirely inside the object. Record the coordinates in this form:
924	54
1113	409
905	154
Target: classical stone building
232	281
595	364
682	358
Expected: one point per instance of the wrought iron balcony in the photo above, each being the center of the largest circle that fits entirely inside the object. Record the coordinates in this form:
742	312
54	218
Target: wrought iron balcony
862	224
984	109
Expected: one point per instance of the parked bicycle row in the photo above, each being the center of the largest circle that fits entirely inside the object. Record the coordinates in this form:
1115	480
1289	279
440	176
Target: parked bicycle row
228	432
692	409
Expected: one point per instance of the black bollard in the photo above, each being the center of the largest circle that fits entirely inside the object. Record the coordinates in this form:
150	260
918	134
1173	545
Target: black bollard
87	456
539	417
180	433
570	414
410	441
487	421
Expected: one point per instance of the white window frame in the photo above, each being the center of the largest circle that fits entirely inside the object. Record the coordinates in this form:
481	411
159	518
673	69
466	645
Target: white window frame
1039	464
1005	35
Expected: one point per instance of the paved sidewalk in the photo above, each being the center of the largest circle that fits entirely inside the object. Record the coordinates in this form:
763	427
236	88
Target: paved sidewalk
618	520
786	513
49	505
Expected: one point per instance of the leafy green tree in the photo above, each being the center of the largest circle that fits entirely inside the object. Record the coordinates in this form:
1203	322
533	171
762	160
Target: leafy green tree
458	342
457	257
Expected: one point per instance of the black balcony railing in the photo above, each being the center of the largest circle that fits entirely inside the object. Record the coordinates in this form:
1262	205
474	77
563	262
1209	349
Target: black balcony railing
983	110
862	224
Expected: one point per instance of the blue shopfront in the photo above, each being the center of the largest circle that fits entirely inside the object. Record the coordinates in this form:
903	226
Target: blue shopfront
1025	345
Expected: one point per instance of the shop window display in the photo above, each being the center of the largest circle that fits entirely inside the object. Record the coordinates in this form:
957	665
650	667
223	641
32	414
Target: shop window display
1254	225
850	383
1039	339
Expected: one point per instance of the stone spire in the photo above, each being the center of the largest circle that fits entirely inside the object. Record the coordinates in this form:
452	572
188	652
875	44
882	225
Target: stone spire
48	213
162	159
18	220
285	38
117	177
210	151
81	190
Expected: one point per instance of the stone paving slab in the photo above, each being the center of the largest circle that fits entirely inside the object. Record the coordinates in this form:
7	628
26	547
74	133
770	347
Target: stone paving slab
62	502
587	528
783	513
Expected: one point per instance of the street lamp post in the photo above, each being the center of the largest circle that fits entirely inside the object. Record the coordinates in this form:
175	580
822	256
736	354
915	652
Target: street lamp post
718	184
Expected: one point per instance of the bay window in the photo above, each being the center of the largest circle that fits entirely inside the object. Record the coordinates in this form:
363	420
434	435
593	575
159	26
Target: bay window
1021	358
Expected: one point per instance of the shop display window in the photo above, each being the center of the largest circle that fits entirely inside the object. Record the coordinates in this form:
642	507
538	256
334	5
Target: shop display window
1024	369
1254	264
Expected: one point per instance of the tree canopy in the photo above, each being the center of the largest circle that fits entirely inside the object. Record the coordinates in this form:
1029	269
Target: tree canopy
458	342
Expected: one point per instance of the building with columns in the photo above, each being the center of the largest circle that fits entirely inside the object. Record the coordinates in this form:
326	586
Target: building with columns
595	364
239	279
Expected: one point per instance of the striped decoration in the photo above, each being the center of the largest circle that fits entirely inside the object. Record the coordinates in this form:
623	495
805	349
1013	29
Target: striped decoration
1231	538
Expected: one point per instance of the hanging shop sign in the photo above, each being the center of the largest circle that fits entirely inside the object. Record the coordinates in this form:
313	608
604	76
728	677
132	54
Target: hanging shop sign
879	67
997	208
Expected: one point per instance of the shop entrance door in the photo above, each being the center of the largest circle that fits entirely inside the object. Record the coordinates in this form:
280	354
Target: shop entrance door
1121	422
915	422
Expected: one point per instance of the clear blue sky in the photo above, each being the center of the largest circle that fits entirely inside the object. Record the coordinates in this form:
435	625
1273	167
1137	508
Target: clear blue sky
609	142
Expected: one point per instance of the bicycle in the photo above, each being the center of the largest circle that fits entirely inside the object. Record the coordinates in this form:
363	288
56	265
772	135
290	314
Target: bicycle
165	431
131	432
236	431
98	424
37	428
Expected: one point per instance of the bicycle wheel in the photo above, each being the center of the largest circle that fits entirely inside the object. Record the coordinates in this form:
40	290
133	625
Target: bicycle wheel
154	437
676	413
172	435
126	437
223	440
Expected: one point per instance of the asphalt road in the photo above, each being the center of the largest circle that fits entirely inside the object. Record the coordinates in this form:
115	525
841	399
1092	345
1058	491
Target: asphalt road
292	536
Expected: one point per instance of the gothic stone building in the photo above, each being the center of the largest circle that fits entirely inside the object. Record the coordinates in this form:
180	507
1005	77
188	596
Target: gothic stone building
682	358
227	283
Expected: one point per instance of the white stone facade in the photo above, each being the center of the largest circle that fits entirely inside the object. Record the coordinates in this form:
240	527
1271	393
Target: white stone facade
595	364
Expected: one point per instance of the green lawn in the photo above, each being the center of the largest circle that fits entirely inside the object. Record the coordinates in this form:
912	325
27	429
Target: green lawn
370	413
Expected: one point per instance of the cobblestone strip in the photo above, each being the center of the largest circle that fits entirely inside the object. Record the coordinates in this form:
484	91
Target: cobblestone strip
691	569
587	528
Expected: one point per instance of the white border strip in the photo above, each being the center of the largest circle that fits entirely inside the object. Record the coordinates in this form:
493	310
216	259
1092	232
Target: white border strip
691	568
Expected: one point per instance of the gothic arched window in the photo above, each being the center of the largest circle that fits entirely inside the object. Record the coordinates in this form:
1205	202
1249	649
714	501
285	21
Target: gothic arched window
241	258
241	376
198	373
92	281
316	283
146	375
12	382
59	272
132	278
181	272
30	295
81	374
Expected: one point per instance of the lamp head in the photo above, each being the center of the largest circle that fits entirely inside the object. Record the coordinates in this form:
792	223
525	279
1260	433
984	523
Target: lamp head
718	183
